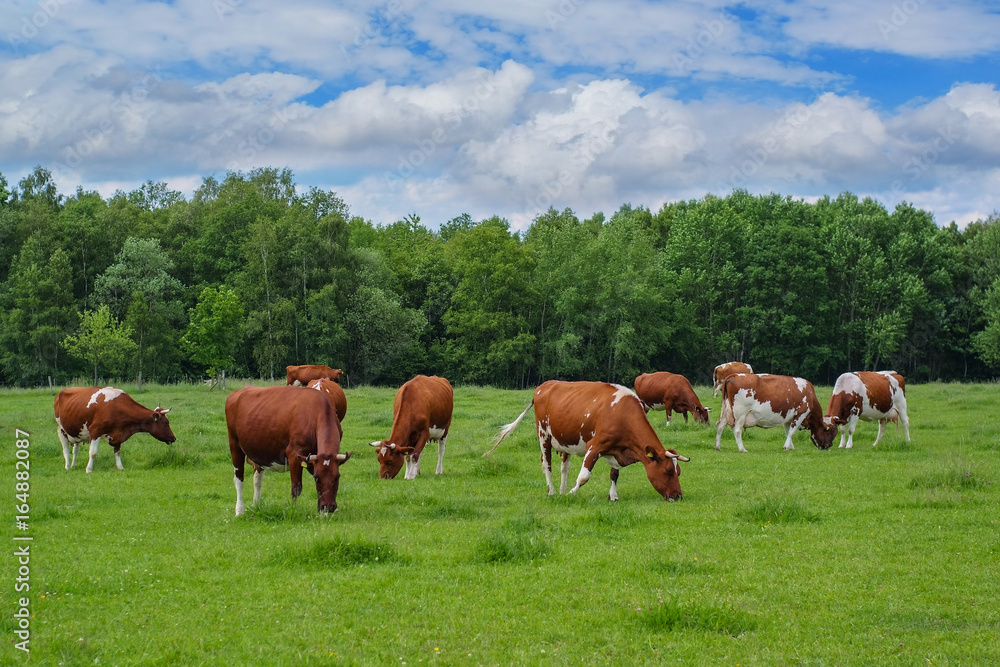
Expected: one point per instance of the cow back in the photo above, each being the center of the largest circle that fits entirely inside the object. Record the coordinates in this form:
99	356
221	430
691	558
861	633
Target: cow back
421	403
266	420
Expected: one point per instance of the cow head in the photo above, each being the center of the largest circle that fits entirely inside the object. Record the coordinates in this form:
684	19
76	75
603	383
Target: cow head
159	426
824	434
391	458
664	471
700	415
325	468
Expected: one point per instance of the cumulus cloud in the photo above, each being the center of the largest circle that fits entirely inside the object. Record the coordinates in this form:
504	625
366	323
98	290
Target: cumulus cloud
433	107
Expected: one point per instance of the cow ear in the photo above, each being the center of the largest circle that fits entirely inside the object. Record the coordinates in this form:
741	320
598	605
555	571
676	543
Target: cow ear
650	453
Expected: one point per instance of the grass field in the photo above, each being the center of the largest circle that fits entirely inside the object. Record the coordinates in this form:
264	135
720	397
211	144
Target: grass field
861	557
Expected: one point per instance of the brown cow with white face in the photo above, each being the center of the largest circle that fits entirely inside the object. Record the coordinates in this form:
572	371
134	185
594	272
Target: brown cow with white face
670	392
773	400
300	376
285	428
421	412
722	371
597	420
868	396
90	413
335	395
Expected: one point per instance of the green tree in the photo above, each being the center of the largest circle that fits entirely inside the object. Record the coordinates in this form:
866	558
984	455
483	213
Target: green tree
101	341
37	313
215	329
142	266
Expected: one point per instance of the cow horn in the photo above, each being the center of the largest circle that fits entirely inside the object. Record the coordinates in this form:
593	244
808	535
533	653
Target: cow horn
677	456
375	444
343	457
312	458
163	412
392	445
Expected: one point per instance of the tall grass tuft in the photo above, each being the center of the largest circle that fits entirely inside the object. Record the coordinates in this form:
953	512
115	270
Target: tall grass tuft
520	540
171	457
338	552
955	476
670	615
775	510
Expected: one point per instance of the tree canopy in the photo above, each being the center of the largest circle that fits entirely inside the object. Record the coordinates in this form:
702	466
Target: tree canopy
253	273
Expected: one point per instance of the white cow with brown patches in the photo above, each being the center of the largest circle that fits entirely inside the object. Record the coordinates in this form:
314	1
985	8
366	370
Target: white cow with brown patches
868	396
770	401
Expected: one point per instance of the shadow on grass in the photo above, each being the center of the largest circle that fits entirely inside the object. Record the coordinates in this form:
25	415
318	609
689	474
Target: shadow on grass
671	615
776	510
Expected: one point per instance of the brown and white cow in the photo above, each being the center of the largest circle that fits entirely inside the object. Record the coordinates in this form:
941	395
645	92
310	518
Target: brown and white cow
92	413
285	428
597	420
335	395
868	396
300	376
421	412
670	392
722	371
773	400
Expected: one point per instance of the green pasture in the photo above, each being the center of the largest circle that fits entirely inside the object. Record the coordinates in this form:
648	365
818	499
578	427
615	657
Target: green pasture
861	557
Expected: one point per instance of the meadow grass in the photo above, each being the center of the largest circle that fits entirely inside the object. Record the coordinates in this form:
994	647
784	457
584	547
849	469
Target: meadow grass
884	555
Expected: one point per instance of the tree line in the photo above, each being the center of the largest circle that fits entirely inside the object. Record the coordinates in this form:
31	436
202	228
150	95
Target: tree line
253	273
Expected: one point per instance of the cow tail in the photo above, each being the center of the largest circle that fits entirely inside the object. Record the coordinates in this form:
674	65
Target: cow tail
508	428
727	412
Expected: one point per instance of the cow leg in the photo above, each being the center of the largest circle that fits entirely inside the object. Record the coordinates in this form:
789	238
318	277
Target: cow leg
588	465
258	483
613	493
792	429
852	423
440	466
668	407
412	466
93	454
564	470
903	417
118	457
66	447
239	459
295	465
737	433
76	448
546	446
881	430
720	426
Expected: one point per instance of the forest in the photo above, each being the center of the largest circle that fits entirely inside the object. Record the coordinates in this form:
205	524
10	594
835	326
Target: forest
253	273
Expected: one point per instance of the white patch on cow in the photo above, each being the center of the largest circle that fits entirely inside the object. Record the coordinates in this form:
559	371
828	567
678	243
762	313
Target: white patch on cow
384	450
93	454
118	460
109	394
275	467
801	383
621	392
238	483
436	432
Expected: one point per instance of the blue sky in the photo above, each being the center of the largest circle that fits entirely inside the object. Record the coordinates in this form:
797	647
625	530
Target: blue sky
440	107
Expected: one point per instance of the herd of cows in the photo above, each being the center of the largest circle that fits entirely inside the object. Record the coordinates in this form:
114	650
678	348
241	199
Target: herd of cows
298	426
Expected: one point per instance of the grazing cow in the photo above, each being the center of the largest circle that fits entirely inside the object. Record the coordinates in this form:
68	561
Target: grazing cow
722	371
869	396
300	376
90	413
598	420
335	395
285	428
670	392
773	400
421	412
